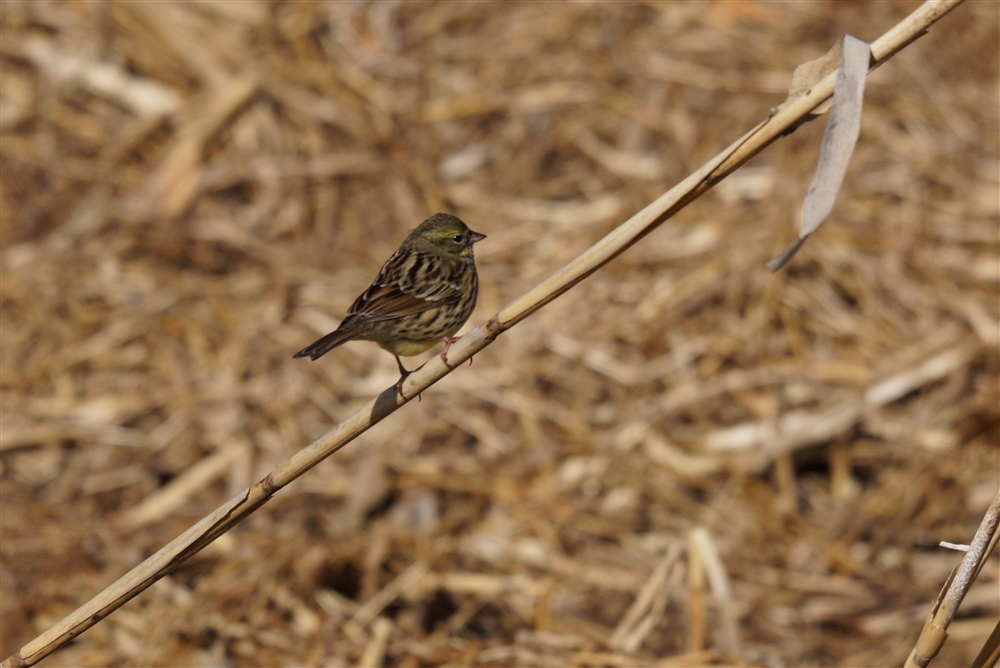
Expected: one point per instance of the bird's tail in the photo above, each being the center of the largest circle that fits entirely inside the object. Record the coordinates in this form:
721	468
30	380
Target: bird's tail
327	343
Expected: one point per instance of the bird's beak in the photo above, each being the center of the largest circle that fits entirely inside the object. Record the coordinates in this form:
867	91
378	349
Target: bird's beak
475	236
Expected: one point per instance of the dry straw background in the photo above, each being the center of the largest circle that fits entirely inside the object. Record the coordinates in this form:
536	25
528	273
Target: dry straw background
193	192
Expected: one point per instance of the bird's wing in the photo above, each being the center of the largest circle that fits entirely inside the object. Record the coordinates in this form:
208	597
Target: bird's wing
408	283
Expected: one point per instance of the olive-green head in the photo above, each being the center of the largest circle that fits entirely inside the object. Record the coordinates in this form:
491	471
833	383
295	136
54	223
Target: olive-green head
445	234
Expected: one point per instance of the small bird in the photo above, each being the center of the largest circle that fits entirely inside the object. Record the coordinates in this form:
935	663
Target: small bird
422	295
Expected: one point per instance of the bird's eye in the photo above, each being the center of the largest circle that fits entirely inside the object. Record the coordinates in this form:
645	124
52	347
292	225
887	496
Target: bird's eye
457	238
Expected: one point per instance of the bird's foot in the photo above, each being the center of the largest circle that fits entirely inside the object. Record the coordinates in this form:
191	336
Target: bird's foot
447	341
403	373
399	385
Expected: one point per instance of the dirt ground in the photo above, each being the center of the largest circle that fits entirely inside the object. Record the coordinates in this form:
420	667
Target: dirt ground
684	460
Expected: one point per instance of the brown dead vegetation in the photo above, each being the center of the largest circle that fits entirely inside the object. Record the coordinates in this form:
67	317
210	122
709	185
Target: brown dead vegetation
684	460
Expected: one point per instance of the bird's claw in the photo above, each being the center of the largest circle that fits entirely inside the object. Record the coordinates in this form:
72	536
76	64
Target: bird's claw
399	386
403	374
447	340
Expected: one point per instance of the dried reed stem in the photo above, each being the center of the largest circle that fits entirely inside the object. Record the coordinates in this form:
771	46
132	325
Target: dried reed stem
934	633
784	120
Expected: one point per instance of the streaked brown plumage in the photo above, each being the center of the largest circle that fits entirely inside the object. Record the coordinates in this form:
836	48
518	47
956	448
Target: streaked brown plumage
422	295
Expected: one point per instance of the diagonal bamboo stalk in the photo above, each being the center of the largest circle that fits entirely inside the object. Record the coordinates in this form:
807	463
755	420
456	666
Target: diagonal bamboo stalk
782	121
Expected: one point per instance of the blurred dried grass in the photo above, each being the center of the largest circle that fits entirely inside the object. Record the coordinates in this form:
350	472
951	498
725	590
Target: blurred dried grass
192	191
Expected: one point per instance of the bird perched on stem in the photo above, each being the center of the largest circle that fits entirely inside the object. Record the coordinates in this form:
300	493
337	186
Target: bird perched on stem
422	295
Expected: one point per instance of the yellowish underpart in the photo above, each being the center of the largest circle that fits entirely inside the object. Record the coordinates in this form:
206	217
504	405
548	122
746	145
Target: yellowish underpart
408	347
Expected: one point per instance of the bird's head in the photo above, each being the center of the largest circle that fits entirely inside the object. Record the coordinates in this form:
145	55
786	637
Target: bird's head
447	235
